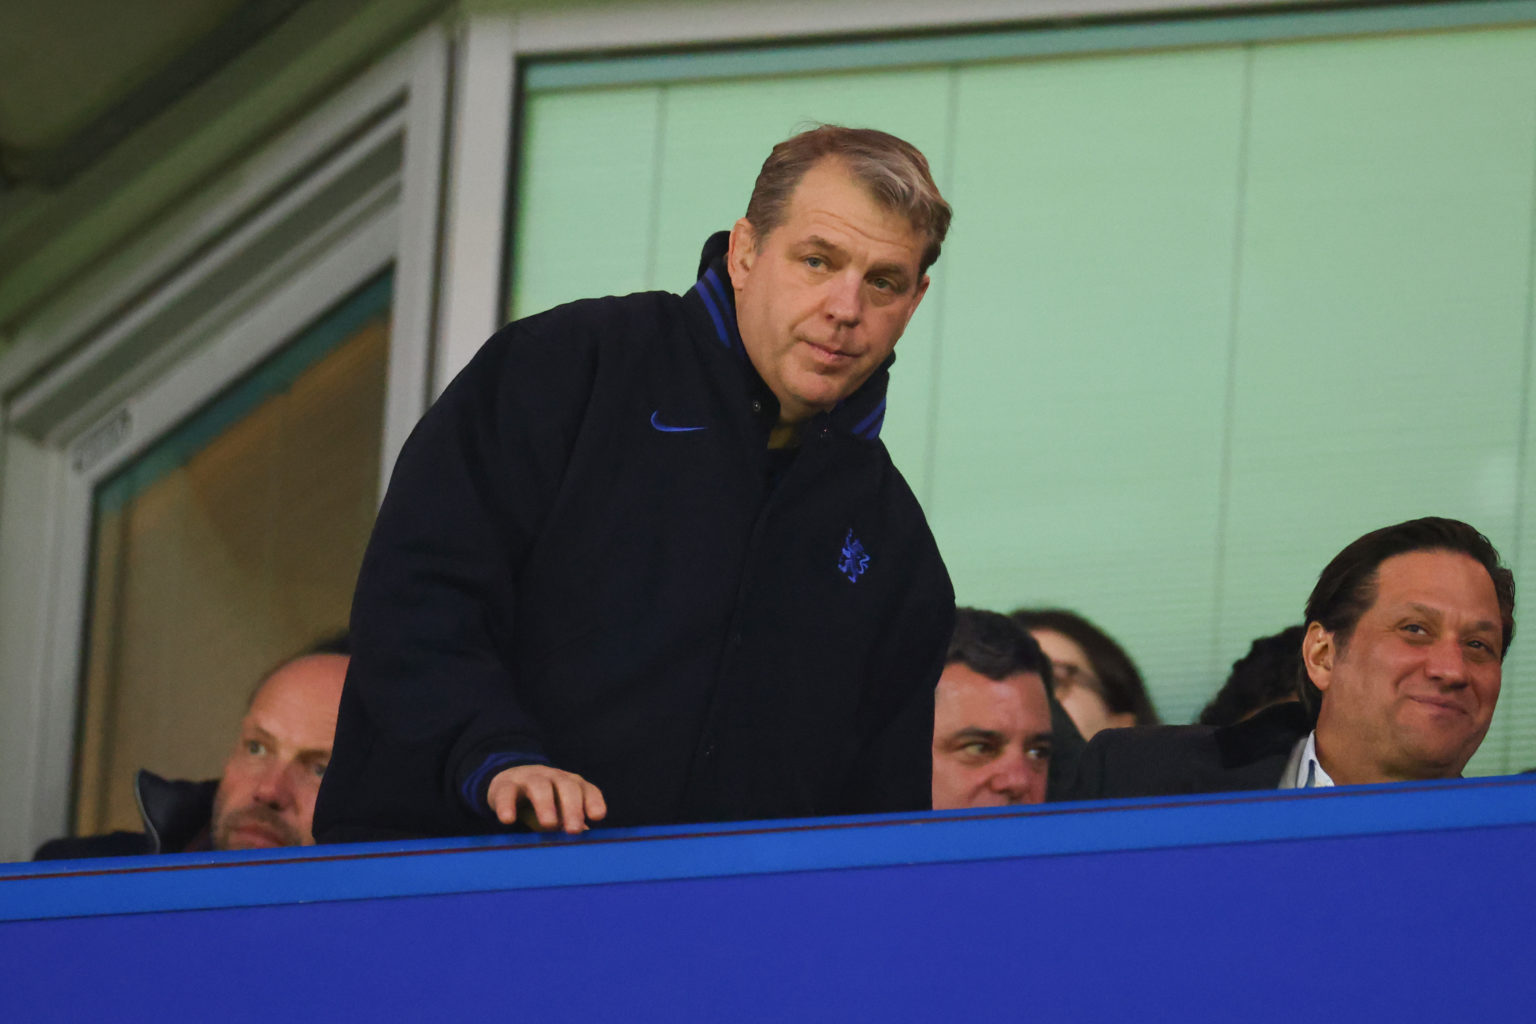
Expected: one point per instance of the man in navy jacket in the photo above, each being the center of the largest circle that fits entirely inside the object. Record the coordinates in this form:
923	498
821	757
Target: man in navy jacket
647	561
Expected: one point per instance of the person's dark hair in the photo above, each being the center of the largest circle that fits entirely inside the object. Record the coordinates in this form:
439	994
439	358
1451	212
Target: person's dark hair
1265	675
1122	687
335	643
894	173
1346	588
995	646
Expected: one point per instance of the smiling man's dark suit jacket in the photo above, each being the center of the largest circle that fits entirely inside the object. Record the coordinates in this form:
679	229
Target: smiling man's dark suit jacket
1170	760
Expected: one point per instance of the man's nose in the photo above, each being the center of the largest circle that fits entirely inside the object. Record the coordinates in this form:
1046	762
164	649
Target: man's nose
274	787
845	298
1447	661
1011	776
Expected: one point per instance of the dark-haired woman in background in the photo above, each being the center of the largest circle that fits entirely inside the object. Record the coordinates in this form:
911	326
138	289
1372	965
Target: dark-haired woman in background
1095	680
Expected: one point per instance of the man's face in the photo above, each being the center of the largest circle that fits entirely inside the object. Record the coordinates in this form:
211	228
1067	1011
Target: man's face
821	301
991	739
267	795
1411	693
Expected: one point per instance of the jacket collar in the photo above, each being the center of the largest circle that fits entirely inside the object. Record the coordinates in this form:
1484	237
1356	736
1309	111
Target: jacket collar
859	415
1264	743
175	812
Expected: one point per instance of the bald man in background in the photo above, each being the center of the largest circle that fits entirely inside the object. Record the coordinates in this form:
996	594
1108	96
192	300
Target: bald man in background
266	796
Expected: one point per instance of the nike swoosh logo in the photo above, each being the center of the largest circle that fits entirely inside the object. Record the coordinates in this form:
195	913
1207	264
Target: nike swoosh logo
670	430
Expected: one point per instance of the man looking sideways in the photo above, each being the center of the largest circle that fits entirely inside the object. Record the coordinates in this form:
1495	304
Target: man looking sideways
991	716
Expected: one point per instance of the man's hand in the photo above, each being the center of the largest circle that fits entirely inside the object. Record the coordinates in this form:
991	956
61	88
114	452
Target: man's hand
545	798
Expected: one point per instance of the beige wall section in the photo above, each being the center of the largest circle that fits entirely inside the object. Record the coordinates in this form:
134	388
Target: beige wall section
220	569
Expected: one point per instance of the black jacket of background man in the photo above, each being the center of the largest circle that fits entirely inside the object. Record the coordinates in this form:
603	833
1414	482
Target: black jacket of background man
176	815
587	556
1169	760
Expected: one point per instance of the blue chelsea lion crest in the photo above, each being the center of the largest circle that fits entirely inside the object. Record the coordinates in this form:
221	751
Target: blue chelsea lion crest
855	560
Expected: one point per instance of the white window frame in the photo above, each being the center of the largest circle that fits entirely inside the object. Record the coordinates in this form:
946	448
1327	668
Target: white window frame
129	351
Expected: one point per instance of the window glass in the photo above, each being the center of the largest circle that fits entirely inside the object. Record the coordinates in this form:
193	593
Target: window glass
230	544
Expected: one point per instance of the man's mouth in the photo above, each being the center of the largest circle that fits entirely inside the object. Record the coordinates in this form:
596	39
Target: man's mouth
1440	705
252	831
826	354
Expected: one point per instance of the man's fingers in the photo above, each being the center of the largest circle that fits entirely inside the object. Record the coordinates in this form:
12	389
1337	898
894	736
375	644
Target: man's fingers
502	797
543	799
544	796
597	807
572	807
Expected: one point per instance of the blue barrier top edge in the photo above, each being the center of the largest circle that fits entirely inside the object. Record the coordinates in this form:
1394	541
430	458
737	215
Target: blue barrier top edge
128	885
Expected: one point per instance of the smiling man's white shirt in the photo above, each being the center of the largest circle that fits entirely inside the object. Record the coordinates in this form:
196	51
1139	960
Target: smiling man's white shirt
1304	770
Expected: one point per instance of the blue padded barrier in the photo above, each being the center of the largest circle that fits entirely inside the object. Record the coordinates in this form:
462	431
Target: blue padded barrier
1368	903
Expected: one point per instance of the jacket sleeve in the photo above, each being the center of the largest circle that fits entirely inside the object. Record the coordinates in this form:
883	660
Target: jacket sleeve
431	710
893	770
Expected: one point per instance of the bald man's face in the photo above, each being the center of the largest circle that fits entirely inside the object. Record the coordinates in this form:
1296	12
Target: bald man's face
267	795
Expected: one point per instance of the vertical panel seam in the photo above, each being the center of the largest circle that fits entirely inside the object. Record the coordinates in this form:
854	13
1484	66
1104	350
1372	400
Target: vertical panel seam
1512	697
935	359
1229	401
658	162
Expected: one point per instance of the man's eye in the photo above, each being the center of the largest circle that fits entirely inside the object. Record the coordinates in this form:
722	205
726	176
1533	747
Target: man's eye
255	748
885	284
319	770
978	749
815	262
1415	628
1039	753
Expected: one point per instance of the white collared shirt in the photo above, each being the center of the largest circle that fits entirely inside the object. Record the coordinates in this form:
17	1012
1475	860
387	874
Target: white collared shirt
1309	771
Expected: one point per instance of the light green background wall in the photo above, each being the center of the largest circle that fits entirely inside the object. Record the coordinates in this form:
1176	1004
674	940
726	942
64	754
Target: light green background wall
1205	314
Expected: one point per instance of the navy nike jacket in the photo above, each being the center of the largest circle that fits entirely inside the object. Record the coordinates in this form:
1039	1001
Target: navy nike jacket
584	557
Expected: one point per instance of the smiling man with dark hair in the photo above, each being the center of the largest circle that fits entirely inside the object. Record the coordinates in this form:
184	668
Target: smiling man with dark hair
1402	660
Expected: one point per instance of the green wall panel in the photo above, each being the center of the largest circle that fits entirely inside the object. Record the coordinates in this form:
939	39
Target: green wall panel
585	209
1083	369
1381	335
1511	745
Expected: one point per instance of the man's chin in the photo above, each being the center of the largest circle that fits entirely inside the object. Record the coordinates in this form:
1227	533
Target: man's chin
257	837
817	393
1431	755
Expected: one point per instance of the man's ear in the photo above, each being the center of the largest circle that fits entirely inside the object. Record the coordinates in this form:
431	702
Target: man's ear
1318	652
742	252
